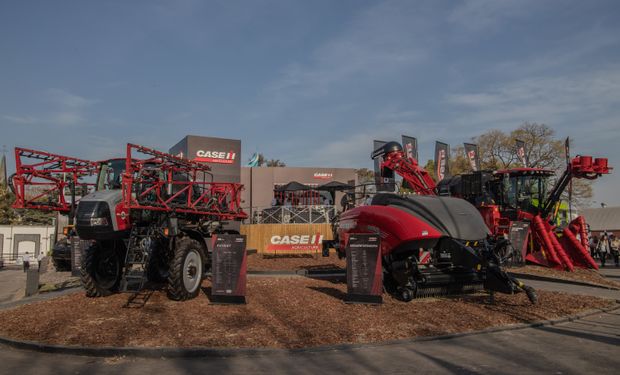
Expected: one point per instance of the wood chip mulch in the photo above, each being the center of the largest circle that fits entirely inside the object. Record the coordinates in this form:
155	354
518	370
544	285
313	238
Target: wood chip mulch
294	262
580	274
281	313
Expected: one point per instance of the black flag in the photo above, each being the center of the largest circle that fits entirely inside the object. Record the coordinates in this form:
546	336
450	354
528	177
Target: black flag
410	146
471	150
442	157
521	152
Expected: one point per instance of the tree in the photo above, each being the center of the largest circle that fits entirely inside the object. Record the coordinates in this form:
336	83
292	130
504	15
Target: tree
430	168
543	150
275	163
365	175
459	163
7	214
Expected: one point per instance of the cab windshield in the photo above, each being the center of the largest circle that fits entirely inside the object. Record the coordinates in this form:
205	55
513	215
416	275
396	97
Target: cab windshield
110	174
526	192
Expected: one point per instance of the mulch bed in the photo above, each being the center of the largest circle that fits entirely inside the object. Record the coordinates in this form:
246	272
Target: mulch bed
294	262
281	313
583	275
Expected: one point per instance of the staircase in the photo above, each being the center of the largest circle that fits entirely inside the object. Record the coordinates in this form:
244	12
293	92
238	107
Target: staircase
136	260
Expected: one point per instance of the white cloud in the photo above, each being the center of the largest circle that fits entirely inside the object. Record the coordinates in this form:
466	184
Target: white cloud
543	99
22	120
381	40
68	100
479	15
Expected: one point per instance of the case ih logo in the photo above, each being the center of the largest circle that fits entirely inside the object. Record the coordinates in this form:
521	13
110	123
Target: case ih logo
220	157
296	242
323	175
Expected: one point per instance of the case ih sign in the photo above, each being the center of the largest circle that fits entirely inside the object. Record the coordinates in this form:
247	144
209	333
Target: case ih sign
220	157
323	175
295	242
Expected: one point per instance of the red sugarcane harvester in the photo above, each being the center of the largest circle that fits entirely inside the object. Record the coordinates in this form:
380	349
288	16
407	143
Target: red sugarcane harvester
507	197
146	219
430	245
520	195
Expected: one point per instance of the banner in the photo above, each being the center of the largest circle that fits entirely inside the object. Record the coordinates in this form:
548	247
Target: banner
473	155
410	146
521	154
442	157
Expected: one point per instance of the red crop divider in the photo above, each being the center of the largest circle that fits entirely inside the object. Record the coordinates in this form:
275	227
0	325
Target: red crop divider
578	251
539	230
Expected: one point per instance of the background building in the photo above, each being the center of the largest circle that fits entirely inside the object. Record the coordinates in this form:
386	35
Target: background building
603	219
260	182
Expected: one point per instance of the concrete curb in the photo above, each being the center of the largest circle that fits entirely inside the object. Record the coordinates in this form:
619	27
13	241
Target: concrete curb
168	352
527	276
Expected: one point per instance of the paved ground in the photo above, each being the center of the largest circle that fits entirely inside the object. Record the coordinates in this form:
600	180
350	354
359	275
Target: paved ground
590	345
13	285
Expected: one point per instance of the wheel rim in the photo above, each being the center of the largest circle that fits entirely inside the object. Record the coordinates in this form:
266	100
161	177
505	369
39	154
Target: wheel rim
192	271
108	269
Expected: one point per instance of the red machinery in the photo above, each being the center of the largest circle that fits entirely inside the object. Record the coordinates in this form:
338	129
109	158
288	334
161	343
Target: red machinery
155	213
506	197
461	251
43	180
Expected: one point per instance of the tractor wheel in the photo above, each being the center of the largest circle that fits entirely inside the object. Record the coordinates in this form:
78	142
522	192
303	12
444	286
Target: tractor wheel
100	271
186	270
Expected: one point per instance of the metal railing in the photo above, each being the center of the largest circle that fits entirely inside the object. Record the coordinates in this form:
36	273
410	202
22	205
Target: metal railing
293	214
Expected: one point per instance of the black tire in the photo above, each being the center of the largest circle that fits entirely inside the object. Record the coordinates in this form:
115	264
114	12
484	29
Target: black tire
61	265
186	270
158	268
101	270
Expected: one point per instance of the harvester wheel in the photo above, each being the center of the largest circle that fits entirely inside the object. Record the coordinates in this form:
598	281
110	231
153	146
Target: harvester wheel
101	270
407	294
186	270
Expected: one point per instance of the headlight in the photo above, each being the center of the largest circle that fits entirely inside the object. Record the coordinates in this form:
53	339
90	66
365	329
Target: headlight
98	221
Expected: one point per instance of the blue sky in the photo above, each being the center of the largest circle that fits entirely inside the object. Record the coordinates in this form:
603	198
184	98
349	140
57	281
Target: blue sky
308	82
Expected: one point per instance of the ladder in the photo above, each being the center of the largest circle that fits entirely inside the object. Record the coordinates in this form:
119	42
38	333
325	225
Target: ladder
139	249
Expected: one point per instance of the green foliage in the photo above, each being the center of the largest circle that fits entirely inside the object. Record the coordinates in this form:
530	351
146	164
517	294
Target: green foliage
263	162
365	175
275	163
10	216
430	168
543	150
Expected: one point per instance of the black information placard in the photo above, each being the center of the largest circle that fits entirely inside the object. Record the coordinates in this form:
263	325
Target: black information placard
229	269
364	273
518	236
77	248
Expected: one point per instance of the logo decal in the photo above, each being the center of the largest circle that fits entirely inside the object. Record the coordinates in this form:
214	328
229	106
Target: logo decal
220	157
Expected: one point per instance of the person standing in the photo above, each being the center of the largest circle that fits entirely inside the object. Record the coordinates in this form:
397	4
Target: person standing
346	202
26	261
615	250
593	243
603	248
